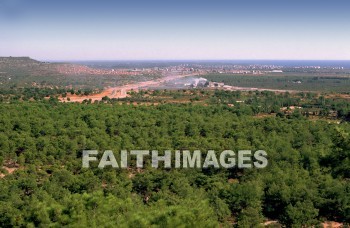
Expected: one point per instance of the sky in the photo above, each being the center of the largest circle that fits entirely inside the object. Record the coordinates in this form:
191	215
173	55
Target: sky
175	30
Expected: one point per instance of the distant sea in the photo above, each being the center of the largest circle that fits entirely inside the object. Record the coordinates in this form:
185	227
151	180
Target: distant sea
165	63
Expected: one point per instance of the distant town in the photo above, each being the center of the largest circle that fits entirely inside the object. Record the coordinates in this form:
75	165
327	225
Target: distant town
183	69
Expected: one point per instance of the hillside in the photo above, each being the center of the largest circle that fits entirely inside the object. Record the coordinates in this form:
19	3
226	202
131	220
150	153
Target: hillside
17	61
24	72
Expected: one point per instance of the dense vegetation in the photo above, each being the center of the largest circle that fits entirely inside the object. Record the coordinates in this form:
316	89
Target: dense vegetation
306	181
287	81
329	106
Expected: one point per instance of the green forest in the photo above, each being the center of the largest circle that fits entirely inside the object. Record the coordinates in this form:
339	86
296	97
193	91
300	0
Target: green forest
287	81
305	183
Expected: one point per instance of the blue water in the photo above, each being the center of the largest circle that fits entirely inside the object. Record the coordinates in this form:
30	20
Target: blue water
165	63
295	63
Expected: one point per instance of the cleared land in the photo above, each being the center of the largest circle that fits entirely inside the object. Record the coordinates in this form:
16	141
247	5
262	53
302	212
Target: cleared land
122	91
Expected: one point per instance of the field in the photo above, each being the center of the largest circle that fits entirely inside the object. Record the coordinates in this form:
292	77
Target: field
287	81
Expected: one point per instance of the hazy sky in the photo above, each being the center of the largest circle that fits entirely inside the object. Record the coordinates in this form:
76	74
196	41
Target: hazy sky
177	29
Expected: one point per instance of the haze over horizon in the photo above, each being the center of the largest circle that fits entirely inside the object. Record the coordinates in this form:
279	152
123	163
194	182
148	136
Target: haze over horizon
175	30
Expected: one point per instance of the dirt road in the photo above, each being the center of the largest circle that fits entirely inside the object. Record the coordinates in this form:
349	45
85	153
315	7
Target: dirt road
122	91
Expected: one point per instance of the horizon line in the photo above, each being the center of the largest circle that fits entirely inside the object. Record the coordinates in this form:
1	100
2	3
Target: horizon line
176	60
179	60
